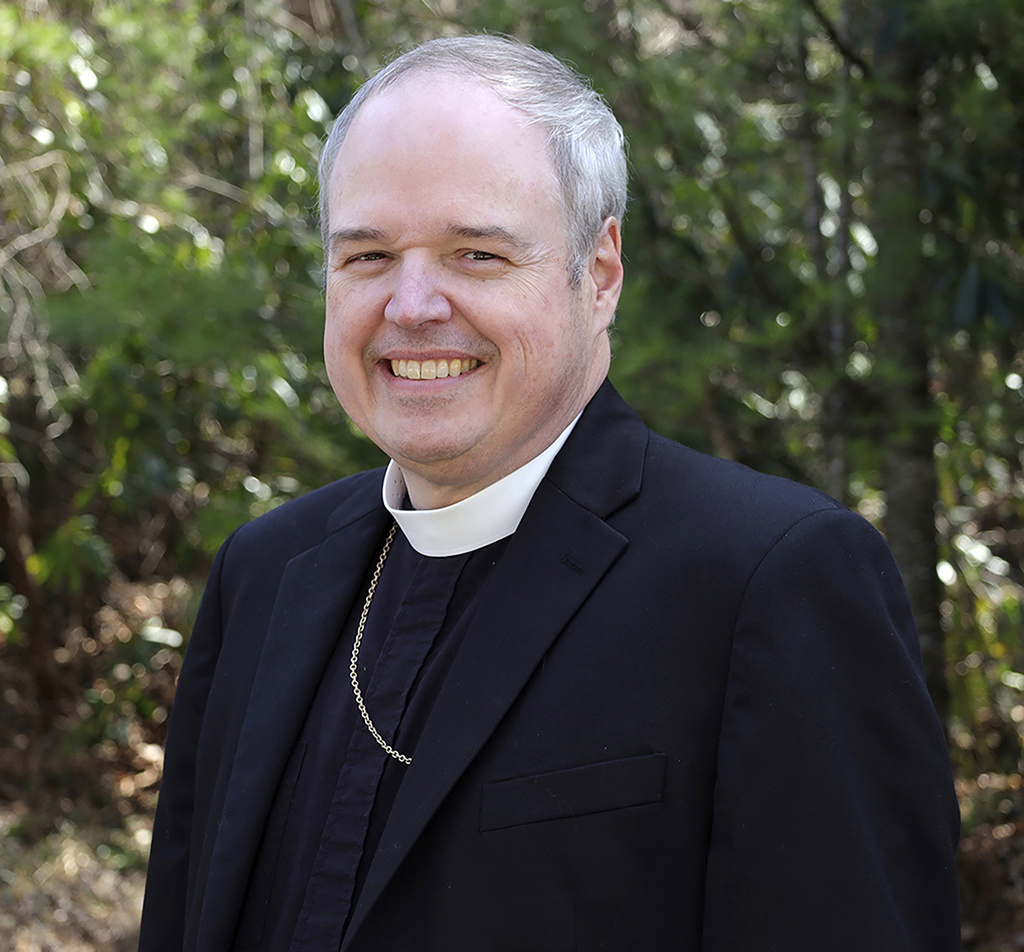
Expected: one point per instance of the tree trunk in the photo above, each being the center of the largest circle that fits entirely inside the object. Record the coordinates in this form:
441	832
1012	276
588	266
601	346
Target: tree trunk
903	307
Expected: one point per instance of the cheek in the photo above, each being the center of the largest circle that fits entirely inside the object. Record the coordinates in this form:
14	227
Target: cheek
346	331
334	343
547	336
355	302
343	360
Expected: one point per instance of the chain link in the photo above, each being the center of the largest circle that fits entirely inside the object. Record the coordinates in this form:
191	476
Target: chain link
355	652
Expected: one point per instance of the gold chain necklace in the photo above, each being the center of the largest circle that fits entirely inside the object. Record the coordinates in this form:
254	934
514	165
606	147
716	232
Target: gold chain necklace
355	652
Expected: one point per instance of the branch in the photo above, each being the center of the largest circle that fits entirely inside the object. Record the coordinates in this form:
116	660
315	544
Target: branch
24	172
748	248
814	207
691	23
295	25
350	25
193	178
24	186
845	50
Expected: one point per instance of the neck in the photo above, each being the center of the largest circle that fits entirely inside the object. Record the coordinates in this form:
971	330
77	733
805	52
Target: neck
477	517
427	493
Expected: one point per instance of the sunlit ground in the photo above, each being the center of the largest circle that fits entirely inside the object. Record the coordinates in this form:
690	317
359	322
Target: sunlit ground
991	862
73	890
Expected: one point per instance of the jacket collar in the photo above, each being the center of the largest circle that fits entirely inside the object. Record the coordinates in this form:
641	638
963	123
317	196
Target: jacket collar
601	465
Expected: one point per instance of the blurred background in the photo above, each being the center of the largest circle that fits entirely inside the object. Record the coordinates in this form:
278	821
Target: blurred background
824	280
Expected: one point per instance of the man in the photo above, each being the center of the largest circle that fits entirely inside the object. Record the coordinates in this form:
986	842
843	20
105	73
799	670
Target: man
596	691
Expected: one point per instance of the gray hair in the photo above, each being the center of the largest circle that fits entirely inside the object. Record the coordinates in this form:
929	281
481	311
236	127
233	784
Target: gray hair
585	140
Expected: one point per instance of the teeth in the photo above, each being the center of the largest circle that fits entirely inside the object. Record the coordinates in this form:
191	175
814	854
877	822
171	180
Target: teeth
432	369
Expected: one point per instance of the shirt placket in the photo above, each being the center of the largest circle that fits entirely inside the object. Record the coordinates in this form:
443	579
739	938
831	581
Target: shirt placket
411	632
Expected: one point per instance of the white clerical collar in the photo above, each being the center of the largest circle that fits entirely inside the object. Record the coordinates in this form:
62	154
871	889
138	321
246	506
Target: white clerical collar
478	520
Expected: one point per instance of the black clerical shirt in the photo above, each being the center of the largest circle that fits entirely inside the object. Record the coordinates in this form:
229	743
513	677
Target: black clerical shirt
339	785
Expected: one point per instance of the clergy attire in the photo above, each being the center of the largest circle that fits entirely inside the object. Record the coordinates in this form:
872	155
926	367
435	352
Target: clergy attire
629	697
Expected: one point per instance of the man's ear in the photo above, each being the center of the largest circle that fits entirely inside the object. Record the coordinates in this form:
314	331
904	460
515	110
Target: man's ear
606	272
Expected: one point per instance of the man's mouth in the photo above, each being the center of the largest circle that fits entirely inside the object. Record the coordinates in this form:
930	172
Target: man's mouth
433	369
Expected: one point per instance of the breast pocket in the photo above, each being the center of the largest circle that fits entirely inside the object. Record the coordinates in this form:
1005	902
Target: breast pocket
573	792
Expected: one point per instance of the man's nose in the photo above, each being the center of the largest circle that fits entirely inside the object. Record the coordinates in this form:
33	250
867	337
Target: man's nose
417	296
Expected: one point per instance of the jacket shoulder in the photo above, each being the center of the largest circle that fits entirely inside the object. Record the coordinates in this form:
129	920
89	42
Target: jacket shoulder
731	493
303	522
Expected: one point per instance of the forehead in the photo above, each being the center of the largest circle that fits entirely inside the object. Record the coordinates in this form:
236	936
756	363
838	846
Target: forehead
434	139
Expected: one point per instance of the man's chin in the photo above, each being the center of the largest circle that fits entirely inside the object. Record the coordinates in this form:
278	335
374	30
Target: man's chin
425	456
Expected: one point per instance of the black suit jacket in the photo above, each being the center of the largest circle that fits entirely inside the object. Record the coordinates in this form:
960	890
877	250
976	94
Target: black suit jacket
688	715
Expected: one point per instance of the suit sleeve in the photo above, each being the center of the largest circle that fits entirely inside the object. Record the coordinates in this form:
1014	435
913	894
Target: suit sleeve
170	861
835	824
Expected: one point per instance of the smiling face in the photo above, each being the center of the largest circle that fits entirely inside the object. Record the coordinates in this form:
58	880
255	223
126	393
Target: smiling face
453	338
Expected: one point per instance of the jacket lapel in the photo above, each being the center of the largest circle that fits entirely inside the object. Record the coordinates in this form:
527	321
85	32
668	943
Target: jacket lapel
314	597
558	555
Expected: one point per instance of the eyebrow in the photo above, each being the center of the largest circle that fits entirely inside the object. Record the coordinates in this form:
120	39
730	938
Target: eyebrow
490	232
356	234
487	232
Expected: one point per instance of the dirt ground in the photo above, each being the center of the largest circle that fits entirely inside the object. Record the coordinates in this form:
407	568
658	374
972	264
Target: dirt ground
72	890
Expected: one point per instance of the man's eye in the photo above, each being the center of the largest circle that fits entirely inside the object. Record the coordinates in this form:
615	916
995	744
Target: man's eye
365	257
481	256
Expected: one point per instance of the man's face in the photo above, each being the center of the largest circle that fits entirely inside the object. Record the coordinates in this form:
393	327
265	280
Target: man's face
453	338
